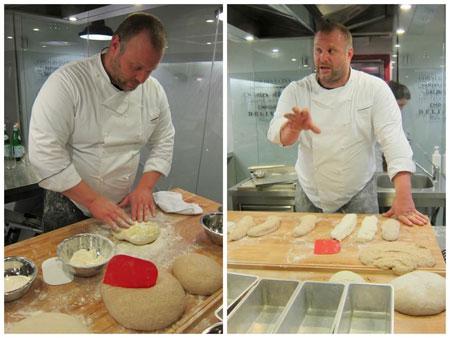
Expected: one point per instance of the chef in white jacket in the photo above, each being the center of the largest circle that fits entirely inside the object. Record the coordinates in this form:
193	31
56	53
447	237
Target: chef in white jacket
336	115
89	122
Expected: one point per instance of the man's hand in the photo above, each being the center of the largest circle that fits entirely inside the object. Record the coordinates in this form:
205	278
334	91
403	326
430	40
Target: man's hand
141	199
300	119
100	207
105	210
142	204
403	207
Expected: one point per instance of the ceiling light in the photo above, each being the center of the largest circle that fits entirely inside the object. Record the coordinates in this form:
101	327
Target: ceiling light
397	45
199	79
209	43
36	29
44	46
97	30
400	31
9	37
305	66
293	59
210	20
56	43
405	7
73	18
275	50
249	38
394	55
392	62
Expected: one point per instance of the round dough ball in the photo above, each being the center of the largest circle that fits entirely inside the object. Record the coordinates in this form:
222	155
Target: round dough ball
48	322
199	275
346	277
146	309
140	233
419	293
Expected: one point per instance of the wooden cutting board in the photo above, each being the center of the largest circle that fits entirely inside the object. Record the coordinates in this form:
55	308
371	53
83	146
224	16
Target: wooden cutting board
280	250
402	323
82	296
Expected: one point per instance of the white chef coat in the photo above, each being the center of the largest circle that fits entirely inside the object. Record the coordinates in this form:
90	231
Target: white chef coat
82	127
336	164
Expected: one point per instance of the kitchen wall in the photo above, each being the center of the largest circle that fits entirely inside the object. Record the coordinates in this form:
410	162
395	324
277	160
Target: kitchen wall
191	73
256	75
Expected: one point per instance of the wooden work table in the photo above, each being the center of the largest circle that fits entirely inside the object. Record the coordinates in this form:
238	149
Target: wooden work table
82	296
280	255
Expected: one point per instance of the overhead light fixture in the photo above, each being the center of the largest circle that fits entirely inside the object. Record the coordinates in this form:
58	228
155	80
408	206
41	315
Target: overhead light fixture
249	38
393	62
209	43
405	7
36	29
73	18
293	59
9	37
210	21
394	55
97	30
305	66
44	46
397	45
400	31
275	50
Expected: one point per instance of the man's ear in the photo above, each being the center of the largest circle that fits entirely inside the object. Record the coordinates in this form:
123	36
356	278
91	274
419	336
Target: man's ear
114	45
350	53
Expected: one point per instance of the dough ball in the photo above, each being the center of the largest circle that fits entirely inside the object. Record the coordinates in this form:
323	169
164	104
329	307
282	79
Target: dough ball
140	233
48	322
419	293
346	277
199	275
146	309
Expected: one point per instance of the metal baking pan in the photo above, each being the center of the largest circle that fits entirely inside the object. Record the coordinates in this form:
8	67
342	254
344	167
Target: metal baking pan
313	309
237	286
261	308
368	308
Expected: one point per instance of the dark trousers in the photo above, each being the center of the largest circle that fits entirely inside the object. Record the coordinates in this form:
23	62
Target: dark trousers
59	211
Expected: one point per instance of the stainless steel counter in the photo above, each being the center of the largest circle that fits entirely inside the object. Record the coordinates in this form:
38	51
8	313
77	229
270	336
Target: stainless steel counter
20	182
246	195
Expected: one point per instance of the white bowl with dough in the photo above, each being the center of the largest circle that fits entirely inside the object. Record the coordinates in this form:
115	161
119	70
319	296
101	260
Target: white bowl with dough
94	252
24	273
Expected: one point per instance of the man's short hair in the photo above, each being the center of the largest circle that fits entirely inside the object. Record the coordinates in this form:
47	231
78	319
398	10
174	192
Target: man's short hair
399	90
328	27
136	23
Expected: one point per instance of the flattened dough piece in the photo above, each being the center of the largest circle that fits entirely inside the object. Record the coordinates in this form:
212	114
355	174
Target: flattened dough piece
48	322
419	293
307	224
345	227
390	230
270	225
368	229
146	309
198	274
401	257
140	233
240	229
346	277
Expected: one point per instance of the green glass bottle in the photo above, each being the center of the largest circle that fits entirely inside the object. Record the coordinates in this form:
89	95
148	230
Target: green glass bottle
16	143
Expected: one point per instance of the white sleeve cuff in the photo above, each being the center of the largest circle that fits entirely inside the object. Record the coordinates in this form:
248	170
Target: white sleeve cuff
400	164
62	181
157	164
273	134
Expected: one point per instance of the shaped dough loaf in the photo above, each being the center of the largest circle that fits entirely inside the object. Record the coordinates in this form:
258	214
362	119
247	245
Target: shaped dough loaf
270	225
140	233
307	224
240	229
390	230
368	229
345	227
346	277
